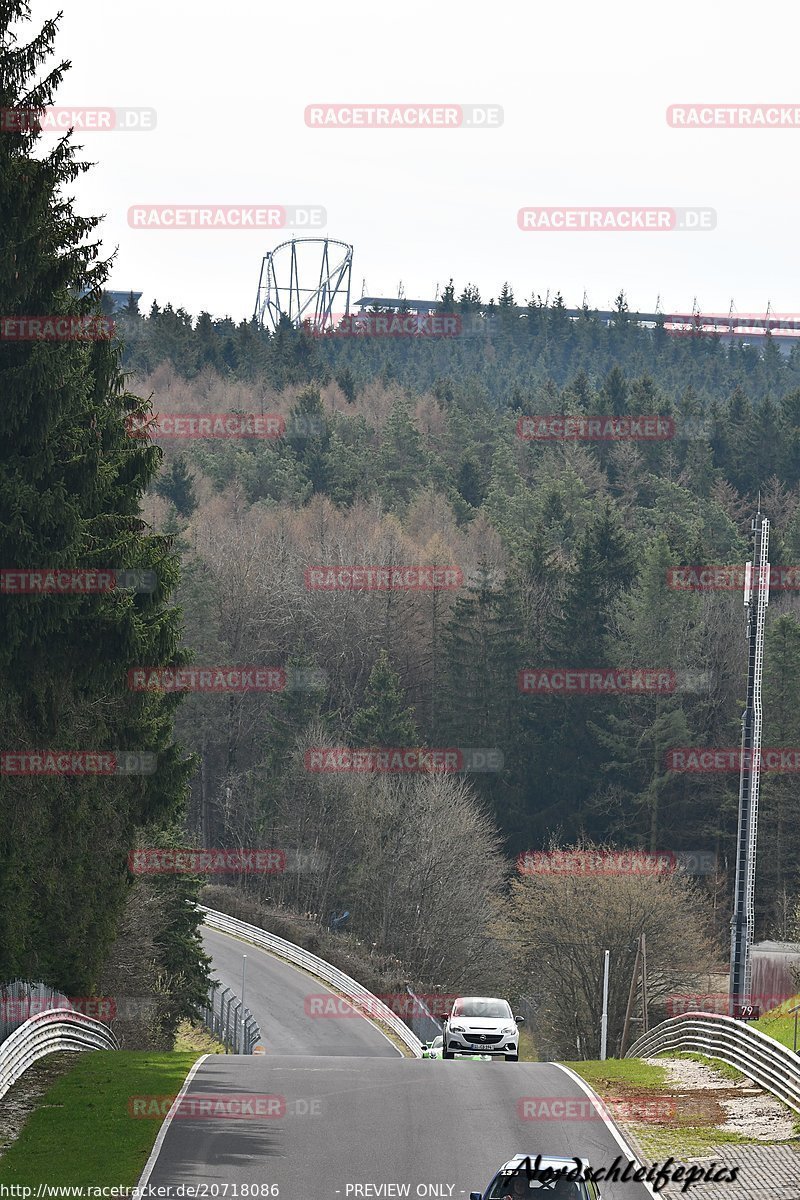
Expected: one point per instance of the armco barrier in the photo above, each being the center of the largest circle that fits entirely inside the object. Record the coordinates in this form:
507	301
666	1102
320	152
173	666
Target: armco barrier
759	1057
316	966
55	1029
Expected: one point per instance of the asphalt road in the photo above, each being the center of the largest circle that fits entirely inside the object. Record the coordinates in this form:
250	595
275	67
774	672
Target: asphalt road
281	999
343	1122
342	1113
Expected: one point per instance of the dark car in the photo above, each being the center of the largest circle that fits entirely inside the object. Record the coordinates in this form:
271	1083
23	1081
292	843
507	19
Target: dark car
514	1181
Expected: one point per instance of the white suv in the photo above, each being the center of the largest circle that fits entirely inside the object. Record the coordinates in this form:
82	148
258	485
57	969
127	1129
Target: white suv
483	1024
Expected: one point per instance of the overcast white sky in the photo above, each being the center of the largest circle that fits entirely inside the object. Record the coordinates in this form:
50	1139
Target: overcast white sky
584	89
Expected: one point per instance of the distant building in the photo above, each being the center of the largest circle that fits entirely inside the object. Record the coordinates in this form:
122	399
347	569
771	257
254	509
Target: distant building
772	969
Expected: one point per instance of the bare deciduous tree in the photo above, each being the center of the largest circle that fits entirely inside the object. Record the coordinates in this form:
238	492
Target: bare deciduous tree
558	927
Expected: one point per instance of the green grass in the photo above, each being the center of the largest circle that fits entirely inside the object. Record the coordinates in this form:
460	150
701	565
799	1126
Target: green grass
681	1141
631	1071
527	1047
192	1037
81	1133
778	1024
780	1028
685	1141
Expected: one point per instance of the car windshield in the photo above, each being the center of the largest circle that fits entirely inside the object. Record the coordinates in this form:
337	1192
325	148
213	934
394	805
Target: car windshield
537	1189
481	1008
437	1043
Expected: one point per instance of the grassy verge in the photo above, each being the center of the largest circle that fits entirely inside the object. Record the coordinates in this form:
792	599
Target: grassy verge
629	1085
193	1038
779	1023
82	1134
685	1141
779	1027
527	1046
631	1071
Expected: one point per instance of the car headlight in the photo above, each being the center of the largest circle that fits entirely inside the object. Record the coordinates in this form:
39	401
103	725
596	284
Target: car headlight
508	1029
456	1028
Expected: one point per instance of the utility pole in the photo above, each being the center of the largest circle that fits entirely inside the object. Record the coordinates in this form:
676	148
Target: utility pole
244	971
756	599
645	1018
631	998
604	1017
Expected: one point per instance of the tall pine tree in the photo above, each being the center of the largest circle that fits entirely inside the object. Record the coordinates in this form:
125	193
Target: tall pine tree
71	482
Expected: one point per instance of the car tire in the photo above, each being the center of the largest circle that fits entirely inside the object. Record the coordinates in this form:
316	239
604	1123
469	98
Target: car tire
445	1052
512	1058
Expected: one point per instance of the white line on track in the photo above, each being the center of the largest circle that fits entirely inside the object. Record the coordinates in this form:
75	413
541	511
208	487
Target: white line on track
612	1128
162	1133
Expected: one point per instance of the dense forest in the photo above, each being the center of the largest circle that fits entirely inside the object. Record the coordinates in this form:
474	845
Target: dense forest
390	453
407	451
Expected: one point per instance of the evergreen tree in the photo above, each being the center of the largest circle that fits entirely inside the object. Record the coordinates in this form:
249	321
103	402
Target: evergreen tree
448	298
402	462
657	629
308	437
383	719
480	700
71	484
779	829
178	486
603	570
347	383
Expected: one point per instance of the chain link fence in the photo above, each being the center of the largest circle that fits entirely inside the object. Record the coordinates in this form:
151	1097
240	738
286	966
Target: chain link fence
222	1017
20	1000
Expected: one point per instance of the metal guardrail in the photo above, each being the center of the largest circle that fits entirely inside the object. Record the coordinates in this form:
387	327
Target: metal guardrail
222	1016
56	1029
362	999
758	1056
